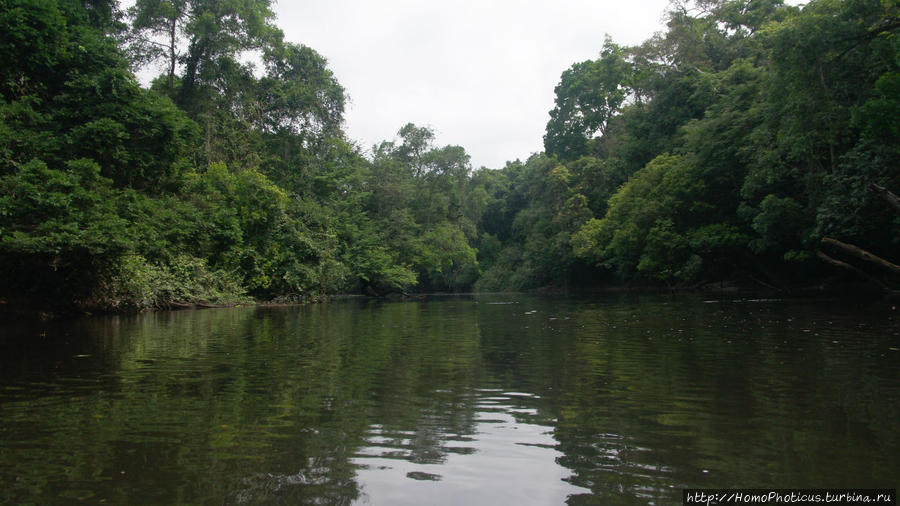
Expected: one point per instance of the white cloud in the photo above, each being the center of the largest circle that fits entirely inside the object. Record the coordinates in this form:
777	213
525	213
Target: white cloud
480	72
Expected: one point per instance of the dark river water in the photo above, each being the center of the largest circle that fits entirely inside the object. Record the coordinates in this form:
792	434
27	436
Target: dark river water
499	399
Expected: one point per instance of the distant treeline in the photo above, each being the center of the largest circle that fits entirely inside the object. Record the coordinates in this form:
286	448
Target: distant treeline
726	148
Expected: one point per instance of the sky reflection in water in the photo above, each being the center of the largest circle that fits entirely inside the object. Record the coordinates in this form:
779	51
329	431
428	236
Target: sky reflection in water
504	460
455	400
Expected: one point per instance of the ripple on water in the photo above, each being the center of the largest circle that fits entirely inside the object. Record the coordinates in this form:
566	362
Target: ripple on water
506	454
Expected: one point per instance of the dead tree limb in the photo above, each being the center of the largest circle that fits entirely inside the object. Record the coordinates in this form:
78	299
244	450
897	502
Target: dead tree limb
844	265
862	254
885	194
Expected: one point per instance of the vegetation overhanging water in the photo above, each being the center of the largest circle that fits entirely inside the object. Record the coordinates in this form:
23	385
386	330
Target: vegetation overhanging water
750	142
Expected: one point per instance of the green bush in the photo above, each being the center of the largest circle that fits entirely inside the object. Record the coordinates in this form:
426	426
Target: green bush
136	284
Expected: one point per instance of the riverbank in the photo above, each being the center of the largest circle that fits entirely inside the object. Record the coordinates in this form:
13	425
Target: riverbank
13	311
25	309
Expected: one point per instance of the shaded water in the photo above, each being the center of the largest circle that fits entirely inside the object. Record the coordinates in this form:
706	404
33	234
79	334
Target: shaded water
464	400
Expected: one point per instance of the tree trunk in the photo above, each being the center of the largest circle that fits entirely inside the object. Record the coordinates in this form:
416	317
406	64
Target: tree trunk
195	55
172	57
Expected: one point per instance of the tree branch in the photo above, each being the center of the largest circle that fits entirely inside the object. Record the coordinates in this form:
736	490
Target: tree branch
149	41
886	194
863	255
846	266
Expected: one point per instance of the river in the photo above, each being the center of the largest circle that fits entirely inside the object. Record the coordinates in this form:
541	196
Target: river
494	399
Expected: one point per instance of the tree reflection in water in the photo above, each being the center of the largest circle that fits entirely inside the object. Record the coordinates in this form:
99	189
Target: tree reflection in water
535	400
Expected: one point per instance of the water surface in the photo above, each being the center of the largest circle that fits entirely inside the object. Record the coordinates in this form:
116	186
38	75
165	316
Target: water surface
456	400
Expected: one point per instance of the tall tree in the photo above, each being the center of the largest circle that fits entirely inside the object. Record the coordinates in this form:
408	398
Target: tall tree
202	35
158	28
299	96
587	96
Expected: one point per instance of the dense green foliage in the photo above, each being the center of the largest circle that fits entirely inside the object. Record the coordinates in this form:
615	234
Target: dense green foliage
779	156
725	148
750	131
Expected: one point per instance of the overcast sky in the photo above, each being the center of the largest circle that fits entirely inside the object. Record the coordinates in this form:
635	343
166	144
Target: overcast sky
480	73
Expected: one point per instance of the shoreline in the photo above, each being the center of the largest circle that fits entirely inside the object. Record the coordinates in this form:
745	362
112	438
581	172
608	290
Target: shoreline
11	311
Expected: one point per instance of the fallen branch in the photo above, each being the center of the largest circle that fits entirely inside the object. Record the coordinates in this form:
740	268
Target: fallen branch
845	265
763	283
886	195
863	255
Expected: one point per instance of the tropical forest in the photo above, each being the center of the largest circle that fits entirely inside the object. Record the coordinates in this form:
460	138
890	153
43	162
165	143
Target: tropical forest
750	144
